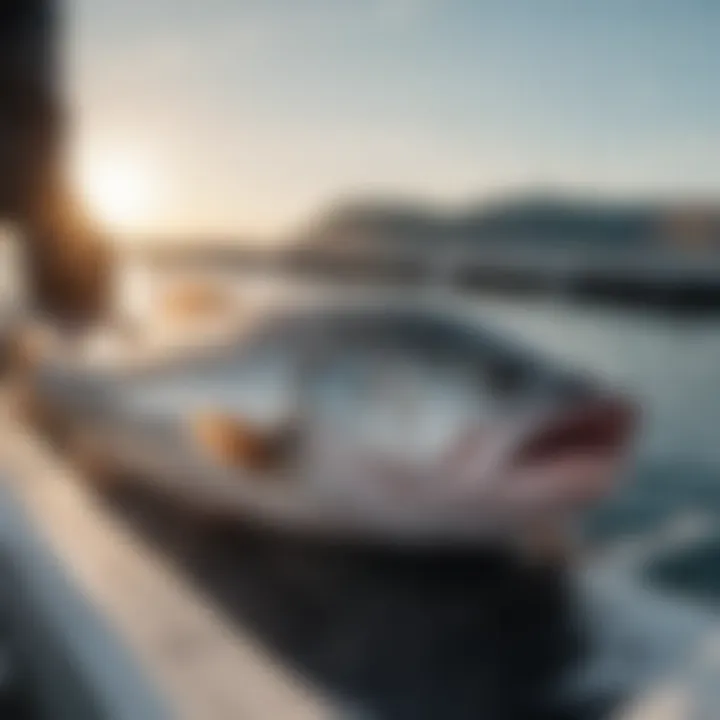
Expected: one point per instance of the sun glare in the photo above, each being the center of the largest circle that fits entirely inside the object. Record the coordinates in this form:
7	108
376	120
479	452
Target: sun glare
118	189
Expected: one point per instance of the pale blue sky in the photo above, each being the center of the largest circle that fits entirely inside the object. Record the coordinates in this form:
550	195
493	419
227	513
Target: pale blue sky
254	114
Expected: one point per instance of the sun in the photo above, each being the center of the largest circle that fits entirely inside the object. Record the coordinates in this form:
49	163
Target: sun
119	189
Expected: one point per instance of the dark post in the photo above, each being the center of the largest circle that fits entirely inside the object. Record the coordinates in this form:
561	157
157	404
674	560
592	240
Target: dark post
68	264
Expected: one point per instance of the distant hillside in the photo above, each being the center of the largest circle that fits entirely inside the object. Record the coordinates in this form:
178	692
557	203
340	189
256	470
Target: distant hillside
533	220
372	227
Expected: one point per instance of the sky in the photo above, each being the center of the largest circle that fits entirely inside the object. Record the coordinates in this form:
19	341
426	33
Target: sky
248	117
